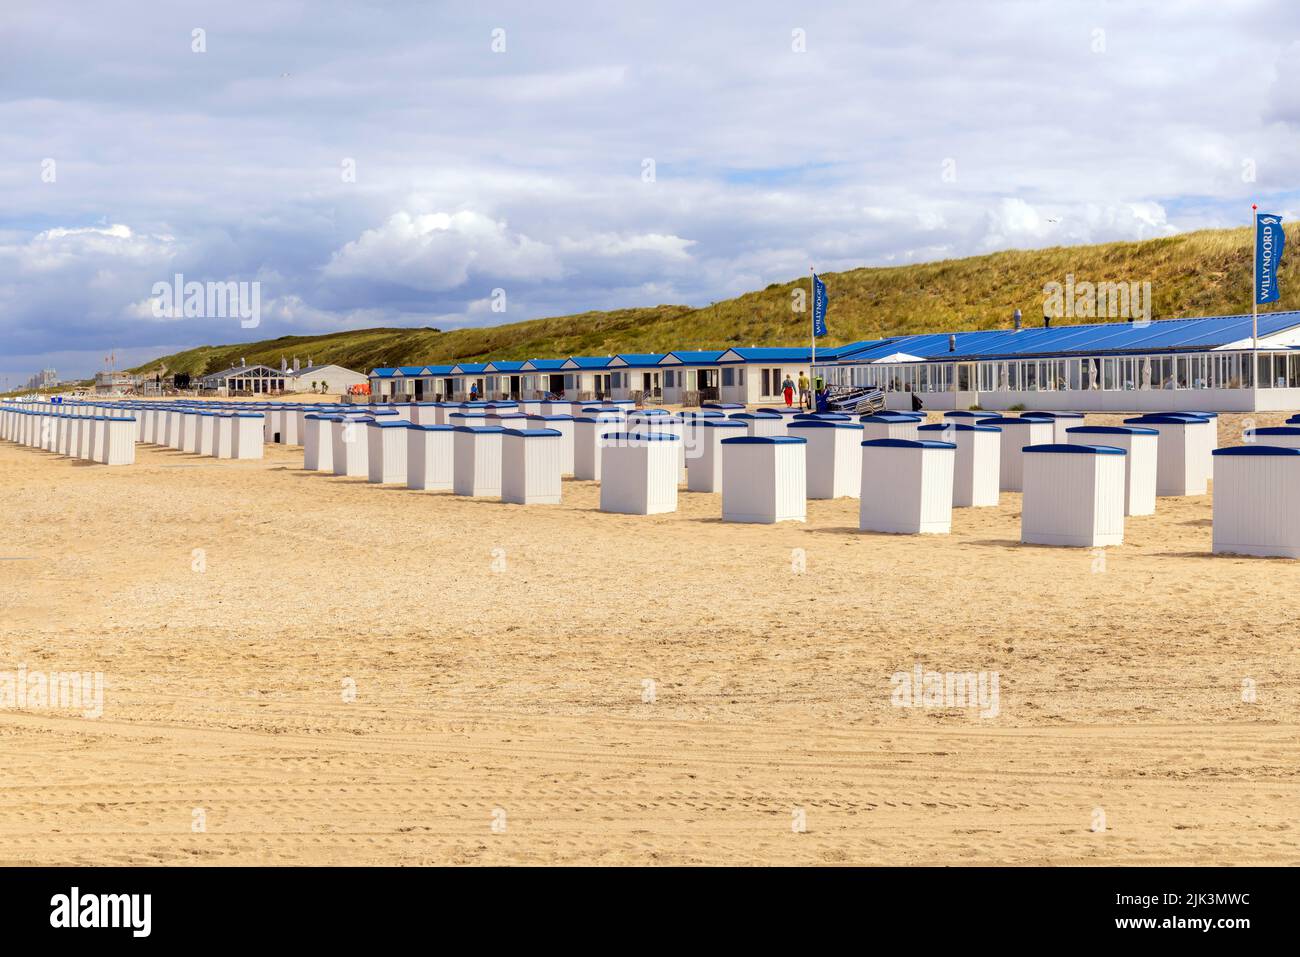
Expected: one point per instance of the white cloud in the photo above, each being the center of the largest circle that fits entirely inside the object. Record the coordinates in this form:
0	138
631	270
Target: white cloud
523	169
63	246
437	251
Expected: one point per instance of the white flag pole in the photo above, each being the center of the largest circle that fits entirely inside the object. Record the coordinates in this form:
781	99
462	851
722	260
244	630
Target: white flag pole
812	339
1254	289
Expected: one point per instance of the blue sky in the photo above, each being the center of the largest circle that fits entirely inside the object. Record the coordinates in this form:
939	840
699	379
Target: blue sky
610	155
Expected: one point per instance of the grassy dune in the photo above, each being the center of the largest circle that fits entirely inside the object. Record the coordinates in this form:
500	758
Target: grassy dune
1198	273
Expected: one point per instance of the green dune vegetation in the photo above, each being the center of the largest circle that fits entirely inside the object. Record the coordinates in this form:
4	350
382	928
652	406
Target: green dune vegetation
1200	273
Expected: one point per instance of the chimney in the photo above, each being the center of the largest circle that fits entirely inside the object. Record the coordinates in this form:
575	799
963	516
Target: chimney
284	364
296	365
1047	321
1015	320
242	362
310	363
952	343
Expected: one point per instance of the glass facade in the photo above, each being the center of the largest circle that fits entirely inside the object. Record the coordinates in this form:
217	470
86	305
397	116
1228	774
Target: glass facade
1198	370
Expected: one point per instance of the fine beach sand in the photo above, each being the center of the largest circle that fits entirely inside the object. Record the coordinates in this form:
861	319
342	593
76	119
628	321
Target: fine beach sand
500	655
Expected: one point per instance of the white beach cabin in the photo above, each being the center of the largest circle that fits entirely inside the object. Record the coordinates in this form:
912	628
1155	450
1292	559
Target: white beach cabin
1073	495
1016	434
1061	421
476	470
530	466
1257	501
906	487
1140	460
430	457
588	441
764	479
704	470
248	435
118	447
317	450
386	451
1180	452
833	457
762	424
639	473
558	422
977	465
888	425
349	446
225	445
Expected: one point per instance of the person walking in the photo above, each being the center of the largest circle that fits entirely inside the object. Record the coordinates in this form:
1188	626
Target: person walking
805	399
787	387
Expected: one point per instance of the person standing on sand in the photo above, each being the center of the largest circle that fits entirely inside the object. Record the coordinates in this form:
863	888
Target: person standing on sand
805	400
787	387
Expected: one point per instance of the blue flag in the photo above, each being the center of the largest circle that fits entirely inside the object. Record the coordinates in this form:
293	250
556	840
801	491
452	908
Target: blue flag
819	307
1269	240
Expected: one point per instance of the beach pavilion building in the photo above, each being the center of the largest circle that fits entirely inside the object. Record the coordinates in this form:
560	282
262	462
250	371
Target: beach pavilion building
692	377
1165	365
753	376
247	380
411	383
543	377
636	376
504	380
587	378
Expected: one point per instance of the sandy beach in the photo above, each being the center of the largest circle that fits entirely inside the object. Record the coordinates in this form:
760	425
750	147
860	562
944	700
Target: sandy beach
304	669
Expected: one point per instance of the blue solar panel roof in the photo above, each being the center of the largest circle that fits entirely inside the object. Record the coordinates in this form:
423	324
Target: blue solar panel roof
1158	335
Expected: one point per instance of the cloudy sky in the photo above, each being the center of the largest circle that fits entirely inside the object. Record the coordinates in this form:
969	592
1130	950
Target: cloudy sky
394	163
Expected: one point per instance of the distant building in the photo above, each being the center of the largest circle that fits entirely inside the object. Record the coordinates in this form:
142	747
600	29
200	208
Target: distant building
264	380
245	380
45	379
115	383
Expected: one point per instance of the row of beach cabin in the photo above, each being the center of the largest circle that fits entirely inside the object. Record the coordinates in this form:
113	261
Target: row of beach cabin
107	433
1079	482
1211	363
